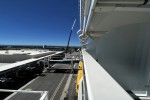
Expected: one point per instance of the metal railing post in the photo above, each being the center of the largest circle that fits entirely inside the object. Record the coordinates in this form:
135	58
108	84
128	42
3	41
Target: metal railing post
44	96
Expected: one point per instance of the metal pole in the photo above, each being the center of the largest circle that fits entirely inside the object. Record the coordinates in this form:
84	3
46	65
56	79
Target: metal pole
44	96
70	35
49	61
44	64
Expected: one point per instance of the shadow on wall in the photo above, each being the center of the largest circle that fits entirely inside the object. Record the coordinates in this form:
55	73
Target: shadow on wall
125	54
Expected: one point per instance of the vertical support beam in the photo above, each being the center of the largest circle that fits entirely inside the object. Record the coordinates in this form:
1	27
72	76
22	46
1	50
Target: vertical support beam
44	64
72	65
49	58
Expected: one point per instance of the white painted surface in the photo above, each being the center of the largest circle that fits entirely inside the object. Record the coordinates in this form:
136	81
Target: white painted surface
107	15
23	51
119	30
125	54
100	84
3	64
11	56
17	64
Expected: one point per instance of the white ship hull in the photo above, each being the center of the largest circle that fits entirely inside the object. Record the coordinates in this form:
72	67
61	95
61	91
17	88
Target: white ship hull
116	33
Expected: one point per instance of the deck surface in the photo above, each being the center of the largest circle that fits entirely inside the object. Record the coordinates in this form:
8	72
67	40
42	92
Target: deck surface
53	81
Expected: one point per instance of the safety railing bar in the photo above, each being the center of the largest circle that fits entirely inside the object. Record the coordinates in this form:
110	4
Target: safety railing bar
44	96
20	91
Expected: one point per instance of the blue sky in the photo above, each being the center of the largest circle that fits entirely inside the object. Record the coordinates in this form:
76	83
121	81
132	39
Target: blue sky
38	22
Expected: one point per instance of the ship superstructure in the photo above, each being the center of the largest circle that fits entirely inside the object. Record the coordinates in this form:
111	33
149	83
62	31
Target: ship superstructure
114	60
115	36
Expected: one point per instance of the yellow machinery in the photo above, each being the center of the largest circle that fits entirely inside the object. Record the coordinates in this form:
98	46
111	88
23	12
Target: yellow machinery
79	75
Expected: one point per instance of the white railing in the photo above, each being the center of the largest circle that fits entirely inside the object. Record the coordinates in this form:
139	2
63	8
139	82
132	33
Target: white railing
20	63
86	10
99	84
44	94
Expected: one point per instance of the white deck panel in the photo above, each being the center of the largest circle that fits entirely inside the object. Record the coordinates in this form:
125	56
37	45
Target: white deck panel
13	65
12	56
3	64
100	84
28	52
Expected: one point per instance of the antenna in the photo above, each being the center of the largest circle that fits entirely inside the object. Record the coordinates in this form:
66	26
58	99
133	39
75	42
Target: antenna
70	35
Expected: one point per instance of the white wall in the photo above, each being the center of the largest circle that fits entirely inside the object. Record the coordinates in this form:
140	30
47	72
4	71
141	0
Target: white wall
125	54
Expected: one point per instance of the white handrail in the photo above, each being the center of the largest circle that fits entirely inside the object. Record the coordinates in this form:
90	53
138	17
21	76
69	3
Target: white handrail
100	85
